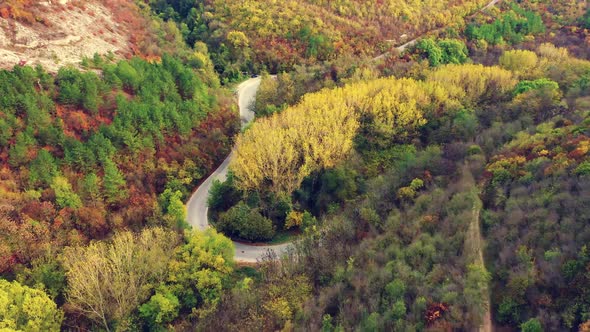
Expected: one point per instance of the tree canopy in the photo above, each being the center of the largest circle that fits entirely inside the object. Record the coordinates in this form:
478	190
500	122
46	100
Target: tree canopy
26	309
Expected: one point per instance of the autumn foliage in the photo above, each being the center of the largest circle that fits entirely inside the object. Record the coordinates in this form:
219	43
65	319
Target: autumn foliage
83	155
280	151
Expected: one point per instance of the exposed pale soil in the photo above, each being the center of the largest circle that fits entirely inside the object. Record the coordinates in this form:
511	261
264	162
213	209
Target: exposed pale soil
69	31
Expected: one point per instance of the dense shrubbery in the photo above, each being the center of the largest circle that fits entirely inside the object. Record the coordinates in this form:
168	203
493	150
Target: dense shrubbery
246	223
443	51
536	200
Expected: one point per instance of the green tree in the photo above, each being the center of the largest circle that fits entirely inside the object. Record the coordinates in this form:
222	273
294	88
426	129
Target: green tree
432	51
531	325
223	195
91	188
327	325
398	310
583	168
453	51
113	183
200	267
128	75
417	184
6	130
70	86
540	84
245	222
27	309
162	308
538	97
45	273
90	92
19	152
43	169
174	209
64	194
395	290
585	19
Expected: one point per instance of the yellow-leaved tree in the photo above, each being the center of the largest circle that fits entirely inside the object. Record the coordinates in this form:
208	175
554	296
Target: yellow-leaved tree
523	63
278	152
108	280
476	82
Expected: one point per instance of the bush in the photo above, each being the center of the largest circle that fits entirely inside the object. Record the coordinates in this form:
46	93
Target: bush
531	325
245	222
223	195
583	168
543	83
444	51
162	308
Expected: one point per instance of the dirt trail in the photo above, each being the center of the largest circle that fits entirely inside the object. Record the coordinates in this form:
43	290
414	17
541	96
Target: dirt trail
474	236
474	244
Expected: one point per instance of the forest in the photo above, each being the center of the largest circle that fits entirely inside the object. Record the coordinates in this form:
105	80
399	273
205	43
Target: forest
442	188
85	156
250	36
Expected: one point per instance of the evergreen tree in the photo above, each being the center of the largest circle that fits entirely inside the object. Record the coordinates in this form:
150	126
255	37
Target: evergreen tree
113	182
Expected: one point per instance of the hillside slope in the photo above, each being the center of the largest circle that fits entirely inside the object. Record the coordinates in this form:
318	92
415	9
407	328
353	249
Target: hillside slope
57	33
249	35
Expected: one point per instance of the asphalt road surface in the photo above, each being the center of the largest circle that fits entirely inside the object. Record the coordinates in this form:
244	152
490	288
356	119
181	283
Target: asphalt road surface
196	208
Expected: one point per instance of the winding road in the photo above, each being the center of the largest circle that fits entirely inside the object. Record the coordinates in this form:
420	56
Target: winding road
197	205
196	208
